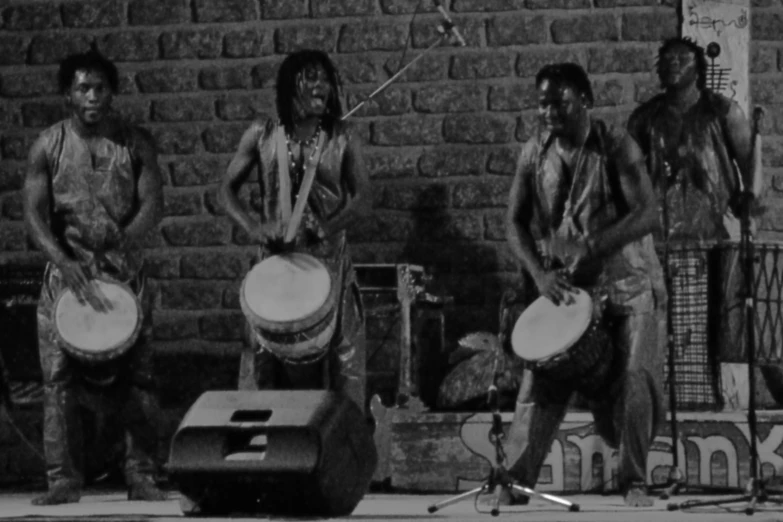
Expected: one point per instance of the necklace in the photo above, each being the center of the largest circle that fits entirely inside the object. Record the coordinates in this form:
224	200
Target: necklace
312	140
297	170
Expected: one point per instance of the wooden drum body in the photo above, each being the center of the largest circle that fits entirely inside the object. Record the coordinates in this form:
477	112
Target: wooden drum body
291	302
566	343
95	339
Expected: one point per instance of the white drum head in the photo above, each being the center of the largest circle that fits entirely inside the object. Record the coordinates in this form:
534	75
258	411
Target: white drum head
90	331
545	329
287	288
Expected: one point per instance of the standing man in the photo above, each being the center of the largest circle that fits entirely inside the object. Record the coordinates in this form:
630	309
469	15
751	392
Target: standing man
92	186
705	141
308	111
583	185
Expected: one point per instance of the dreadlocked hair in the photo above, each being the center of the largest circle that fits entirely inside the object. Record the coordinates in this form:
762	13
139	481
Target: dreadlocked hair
92	60
695	48
285	89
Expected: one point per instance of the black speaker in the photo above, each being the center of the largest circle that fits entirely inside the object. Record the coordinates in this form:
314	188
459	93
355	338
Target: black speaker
20	286
296	453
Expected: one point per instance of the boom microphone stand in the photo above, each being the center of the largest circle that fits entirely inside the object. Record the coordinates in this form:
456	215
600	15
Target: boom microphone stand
756	488
499	478
446	29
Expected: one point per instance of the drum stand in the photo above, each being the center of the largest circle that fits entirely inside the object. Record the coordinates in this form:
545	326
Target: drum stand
499	478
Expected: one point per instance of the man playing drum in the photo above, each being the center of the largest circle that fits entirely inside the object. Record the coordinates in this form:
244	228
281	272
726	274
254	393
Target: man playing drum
92	186
583	185
701	141
308	112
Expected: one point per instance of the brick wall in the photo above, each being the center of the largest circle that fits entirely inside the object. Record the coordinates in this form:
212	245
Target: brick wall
441	142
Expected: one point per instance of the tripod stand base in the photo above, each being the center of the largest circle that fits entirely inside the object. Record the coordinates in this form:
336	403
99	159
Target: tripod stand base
495	510
677	483
756	492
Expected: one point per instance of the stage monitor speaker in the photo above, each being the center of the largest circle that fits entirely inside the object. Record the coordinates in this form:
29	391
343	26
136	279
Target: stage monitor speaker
294	453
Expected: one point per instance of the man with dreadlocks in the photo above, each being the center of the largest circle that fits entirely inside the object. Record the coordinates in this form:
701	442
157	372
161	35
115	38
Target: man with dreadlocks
308	106
583	185
703	140
93	186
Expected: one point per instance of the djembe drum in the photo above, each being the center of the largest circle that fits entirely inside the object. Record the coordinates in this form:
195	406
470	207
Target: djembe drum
569	343
291	303
97	340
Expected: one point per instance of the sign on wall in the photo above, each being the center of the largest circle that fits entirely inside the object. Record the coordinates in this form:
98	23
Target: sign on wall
722	27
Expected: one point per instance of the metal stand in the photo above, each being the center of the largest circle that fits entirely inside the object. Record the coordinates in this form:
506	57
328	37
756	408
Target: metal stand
499	478
677	479
756	489
444	36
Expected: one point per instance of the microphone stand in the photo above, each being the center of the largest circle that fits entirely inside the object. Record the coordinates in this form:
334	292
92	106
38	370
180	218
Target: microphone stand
499	478
444	35
756	488
677	479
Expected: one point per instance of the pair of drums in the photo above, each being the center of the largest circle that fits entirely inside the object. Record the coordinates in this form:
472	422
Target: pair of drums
569	343
290	302
98	341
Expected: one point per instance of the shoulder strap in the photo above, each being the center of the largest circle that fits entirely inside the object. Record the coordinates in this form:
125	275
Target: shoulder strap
304	190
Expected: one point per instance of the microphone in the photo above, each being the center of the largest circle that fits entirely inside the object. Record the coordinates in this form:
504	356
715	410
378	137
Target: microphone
448	25
492	399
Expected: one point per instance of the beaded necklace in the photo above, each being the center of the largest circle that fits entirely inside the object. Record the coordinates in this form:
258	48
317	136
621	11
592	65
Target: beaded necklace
298	168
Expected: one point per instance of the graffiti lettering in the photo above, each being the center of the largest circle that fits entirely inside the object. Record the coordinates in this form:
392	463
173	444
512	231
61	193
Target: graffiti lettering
718	453
716	24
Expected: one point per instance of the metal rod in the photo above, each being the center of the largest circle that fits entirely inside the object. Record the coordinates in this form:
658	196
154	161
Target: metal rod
393	78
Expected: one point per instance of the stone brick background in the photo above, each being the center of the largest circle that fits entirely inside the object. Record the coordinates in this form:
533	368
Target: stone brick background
441	142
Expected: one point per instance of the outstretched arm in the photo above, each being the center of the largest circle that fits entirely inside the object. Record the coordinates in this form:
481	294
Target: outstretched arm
37	197
639	196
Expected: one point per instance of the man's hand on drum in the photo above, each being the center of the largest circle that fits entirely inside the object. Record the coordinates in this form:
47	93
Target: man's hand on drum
554	285
83	287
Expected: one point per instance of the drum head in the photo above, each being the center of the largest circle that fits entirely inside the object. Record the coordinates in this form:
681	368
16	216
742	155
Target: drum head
545	329
287	288
91	332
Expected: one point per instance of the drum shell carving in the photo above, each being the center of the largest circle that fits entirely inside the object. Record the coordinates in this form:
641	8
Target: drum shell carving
586	364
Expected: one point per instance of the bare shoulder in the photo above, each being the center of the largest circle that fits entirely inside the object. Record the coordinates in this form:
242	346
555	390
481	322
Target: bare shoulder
735	114
45	145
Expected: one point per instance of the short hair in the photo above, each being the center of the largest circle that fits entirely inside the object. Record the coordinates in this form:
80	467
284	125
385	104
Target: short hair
286	86
571	74
696	49
92	60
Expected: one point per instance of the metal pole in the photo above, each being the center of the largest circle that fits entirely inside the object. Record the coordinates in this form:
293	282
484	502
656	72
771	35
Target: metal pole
391	80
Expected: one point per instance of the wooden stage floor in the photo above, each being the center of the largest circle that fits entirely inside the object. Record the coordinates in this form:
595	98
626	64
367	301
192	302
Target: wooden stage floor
112	507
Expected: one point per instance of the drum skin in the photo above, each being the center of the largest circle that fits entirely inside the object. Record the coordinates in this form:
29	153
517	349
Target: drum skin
97	337
291	302
545	329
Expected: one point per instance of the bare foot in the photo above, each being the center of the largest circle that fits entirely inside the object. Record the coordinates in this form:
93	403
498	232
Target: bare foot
638	497
58	494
